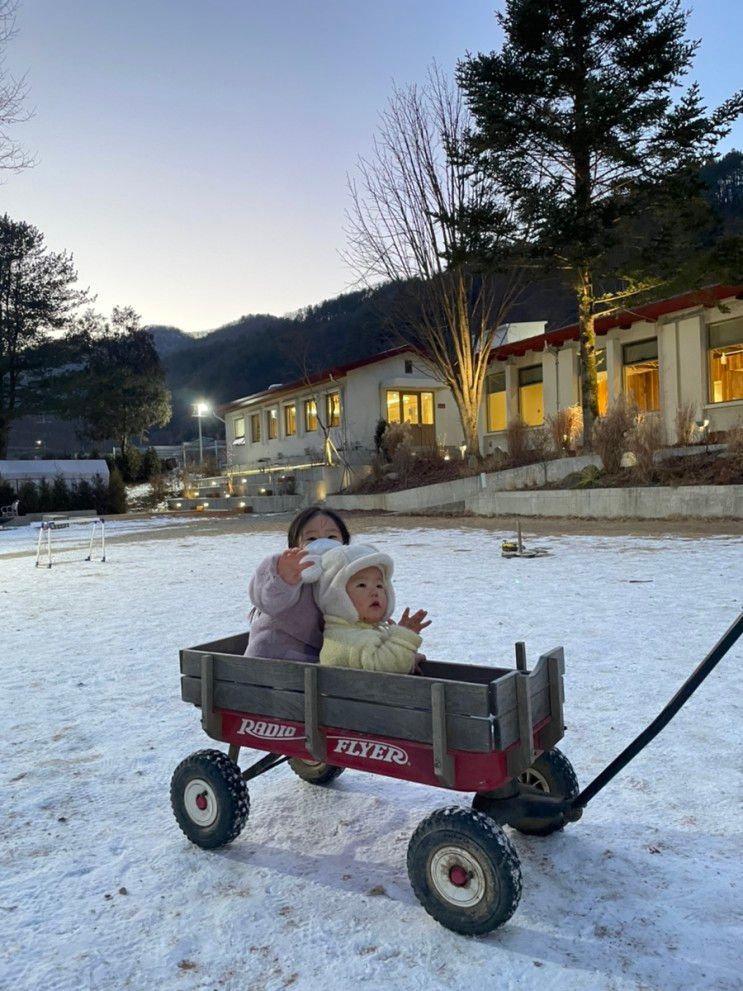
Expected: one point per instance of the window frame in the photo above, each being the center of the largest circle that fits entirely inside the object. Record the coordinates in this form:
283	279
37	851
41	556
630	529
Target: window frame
290	410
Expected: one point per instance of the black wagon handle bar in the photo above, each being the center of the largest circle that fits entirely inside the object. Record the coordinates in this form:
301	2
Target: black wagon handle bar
664	717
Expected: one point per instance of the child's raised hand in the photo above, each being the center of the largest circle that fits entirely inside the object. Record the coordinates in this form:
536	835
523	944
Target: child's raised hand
416	622
291	564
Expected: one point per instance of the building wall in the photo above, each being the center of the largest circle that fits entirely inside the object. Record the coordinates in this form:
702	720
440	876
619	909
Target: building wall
363	404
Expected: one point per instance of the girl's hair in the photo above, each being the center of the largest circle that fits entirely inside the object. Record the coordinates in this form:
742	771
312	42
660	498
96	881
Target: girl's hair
301	520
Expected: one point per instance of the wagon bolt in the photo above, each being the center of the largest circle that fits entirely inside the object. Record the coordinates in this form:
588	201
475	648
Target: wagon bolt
201	802
458	876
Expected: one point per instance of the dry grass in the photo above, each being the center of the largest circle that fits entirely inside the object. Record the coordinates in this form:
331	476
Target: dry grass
685	423
645	440
565	427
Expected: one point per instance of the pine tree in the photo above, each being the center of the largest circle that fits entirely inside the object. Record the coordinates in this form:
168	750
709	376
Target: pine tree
575	119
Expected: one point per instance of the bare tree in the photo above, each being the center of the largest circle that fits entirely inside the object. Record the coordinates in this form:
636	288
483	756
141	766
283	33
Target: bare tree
12	95
405	226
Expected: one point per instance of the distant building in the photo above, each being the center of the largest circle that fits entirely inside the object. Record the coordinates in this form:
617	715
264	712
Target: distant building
686	350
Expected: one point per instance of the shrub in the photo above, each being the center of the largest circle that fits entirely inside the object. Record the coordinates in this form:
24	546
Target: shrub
379	433
28	498
158	488
100	495
565	427
60	494
151	465
734	440
540	442
685	423
116	500
517	441
7	493
610	433
46	500
645	439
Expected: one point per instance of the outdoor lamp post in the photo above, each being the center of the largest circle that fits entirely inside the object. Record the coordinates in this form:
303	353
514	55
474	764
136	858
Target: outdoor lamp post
200	409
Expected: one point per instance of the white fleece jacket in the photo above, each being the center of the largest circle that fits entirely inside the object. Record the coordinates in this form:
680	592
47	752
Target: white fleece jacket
371	648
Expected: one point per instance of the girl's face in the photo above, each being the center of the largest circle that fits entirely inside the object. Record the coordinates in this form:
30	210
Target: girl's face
367	593
319	526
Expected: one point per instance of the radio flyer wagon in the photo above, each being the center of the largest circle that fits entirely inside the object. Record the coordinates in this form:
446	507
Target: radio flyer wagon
486	730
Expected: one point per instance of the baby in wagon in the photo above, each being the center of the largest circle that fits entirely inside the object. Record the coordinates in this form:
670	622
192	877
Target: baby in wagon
354	593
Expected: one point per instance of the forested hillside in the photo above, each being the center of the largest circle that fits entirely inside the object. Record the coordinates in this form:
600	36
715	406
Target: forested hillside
257	351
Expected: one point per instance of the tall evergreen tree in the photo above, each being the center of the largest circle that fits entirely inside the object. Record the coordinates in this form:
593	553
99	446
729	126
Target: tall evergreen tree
37	294
118	388
575	117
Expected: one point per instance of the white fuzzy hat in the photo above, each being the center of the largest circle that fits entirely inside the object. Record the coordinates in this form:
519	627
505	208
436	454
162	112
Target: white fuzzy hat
315	551
339	565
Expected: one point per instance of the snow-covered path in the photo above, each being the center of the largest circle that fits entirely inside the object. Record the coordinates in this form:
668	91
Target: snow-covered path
99	889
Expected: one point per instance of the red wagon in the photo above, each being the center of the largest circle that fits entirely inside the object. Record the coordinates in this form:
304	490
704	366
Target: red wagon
490	731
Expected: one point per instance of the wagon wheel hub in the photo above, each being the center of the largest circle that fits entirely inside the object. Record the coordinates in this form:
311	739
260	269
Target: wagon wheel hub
201	802
458	876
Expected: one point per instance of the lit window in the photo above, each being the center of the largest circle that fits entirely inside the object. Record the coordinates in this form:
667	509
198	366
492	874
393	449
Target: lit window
310	415
531	395
640	368
415	408
238	427
497	415
290	420
272	424
726	361
333	409
602	381
255	428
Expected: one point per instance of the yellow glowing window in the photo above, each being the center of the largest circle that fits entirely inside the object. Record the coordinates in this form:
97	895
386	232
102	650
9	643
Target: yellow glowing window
497	414
333	409
415	408
531	395
290	420
255	427
726	361
238	426
310	415
641	377
602	381
272	424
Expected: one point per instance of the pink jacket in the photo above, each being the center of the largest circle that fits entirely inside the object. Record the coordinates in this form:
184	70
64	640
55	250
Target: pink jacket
287	623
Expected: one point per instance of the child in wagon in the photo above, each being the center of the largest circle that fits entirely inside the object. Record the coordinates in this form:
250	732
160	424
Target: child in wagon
354	593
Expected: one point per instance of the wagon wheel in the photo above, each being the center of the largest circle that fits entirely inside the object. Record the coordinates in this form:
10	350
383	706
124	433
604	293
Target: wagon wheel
209	798
553	774
314	772
464	871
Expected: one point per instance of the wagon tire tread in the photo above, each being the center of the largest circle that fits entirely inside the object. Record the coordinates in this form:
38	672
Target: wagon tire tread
232	802
482	842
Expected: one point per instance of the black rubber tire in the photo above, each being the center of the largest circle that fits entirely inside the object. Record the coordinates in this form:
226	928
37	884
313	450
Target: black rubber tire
209	776
553	774
314	772
488	889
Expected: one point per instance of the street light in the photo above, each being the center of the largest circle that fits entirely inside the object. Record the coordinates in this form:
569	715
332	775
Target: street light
201	409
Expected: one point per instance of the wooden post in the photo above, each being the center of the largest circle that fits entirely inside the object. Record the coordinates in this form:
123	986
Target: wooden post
314	737
210	722
521	656
522	755
443	762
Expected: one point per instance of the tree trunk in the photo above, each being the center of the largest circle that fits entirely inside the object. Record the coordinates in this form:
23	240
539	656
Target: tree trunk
589	390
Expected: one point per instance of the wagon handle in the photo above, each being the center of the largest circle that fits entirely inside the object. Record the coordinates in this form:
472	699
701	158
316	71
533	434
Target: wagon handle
664	717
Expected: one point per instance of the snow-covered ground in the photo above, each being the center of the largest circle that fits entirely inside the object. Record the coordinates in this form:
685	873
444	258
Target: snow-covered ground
99	889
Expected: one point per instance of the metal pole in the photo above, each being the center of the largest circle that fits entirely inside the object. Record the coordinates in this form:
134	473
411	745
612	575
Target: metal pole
201	444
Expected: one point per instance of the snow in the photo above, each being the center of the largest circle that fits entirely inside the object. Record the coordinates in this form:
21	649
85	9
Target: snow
99	889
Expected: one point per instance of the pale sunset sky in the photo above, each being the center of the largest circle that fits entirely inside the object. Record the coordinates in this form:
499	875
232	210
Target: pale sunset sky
193	155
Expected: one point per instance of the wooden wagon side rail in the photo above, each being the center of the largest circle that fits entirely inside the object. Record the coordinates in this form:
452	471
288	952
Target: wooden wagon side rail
466	708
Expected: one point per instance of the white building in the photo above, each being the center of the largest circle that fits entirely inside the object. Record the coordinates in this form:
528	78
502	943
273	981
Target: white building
687	350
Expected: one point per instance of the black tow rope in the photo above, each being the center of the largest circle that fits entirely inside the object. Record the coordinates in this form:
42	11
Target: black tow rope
664	716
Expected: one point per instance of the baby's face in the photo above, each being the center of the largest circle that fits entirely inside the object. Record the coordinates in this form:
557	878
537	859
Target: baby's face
366	592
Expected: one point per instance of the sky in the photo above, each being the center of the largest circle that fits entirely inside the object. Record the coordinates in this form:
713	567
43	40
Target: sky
99	889
193	157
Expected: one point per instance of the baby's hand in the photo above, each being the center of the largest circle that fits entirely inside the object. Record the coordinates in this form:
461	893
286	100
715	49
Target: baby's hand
416	622
291	564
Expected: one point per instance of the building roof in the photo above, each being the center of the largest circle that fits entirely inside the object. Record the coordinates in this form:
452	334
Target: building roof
651	312
42	468
327	375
